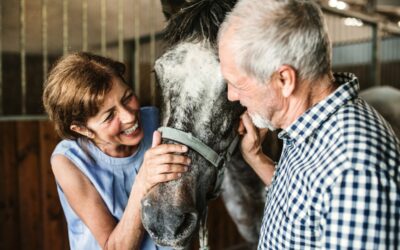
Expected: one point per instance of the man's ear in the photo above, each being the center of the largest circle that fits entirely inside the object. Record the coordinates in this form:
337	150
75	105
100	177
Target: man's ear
82	130
287	77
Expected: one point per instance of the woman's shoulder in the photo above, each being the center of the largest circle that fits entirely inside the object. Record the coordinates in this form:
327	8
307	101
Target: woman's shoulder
75	151
65	146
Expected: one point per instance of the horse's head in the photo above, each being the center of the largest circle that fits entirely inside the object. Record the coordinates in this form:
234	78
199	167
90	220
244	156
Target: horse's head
193	100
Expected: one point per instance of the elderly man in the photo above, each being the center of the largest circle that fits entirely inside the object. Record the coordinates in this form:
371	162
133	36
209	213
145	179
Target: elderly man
337	184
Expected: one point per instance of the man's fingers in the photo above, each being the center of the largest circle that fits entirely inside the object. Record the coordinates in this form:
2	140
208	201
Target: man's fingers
248	124
241	129
263	133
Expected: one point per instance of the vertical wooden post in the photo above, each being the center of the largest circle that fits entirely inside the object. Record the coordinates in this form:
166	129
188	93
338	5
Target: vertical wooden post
9	207
54	225
29	179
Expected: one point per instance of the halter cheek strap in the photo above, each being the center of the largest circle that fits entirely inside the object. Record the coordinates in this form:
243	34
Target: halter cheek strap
217	160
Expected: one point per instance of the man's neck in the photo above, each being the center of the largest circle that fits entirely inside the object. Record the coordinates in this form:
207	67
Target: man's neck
306	95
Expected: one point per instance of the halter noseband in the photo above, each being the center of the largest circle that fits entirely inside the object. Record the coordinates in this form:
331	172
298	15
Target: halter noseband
217	160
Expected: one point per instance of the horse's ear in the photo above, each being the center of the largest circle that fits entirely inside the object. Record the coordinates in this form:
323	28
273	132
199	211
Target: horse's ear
170	7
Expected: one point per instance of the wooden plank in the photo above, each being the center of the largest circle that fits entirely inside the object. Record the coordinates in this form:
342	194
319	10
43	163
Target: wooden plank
54	225
31	227
9	230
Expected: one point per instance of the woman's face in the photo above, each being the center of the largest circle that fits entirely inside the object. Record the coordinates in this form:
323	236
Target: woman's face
118	121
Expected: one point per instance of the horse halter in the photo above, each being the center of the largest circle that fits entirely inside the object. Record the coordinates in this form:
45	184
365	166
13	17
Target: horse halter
217	160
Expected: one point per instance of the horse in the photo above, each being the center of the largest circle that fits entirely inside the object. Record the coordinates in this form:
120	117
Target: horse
194	104
386	100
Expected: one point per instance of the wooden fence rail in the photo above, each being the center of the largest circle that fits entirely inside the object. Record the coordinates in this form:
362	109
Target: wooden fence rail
30	213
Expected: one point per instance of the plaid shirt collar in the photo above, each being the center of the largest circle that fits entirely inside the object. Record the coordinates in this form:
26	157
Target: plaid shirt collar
312	119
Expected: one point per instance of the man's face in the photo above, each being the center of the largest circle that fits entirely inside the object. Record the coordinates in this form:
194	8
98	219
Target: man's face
260	99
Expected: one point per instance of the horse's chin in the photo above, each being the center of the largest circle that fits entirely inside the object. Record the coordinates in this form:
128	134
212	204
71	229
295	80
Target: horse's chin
176	241
179	242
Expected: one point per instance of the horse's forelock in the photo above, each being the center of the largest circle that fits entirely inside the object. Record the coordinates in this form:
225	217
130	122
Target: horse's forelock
197	21
191	83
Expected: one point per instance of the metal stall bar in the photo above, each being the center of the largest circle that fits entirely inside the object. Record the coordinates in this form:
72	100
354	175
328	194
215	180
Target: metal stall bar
137	47
152	50
44	40
120	31
84	25
23	55
376	54
65	27
1	59
103	27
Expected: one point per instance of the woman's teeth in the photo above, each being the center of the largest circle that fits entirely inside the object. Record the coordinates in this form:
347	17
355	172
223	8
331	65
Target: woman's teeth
131	130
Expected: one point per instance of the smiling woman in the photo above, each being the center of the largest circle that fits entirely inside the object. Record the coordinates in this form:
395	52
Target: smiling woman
108	160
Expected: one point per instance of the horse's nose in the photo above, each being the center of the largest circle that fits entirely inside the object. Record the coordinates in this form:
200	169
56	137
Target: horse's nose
168	222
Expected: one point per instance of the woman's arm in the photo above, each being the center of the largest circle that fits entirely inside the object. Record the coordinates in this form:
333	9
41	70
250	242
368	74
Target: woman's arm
159	165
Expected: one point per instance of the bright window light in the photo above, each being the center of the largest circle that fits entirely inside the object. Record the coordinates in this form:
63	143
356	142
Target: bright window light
351	21
338	4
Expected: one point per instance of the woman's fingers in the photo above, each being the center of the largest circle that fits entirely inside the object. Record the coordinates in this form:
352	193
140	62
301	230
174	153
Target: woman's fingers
171	159
166	177
156	139
167	148
171	168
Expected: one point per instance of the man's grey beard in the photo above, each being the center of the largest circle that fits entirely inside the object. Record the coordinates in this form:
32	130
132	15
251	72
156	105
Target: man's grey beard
261	122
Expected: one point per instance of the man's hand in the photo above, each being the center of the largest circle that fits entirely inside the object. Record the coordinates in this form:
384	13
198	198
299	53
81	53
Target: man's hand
251	148
252	138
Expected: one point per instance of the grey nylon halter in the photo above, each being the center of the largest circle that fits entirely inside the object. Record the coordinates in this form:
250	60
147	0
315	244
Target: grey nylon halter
210	155
217	160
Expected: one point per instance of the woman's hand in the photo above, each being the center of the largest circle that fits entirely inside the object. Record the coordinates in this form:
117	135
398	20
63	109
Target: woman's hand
162	162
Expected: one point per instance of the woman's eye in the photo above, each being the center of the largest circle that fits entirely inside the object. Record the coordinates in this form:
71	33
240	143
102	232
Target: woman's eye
109	117
128	99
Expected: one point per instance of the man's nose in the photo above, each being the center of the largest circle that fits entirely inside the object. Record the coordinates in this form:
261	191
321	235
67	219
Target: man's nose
232	94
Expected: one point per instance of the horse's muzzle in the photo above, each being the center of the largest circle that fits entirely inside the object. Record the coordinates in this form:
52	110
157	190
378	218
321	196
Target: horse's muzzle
173	228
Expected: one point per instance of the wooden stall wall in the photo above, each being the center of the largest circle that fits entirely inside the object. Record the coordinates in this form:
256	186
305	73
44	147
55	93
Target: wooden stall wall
30	213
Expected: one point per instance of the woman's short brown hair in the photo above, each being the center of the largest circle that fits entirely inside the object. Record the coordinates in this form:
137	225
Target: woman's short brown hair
75	89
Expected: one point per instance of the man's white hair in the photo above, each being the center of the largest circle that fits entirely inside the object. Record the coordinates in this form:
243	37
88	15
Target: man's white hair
272	33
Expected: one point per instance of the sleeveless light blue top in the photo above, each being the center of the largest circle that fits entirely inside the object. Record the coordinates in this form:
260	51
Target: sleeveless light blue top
112	177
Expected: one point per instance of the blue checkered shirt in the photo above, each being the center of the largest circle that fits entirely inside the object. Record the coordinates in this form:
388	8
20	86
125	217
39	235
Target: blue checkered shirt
337	184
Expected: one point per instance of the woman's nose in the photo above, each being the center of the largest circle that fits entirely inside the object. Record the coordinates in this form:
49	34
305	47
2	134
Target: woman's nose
126	115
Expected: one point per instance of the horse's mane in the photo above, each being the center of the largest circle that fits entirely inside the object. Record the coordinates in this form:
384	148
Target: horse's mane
197	21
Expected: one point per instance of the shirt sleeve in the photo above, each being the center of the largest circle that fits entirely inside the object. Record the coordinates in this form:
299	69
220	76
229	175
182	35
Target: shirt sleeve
362	211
